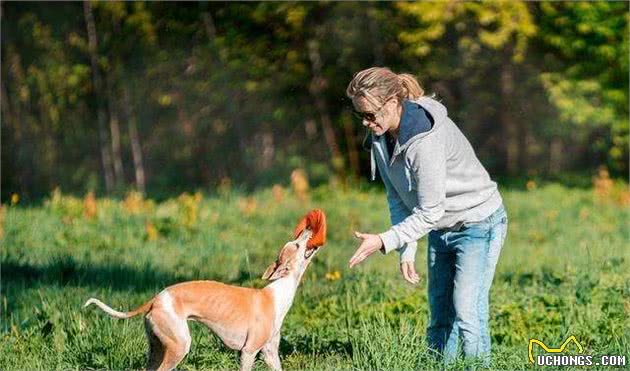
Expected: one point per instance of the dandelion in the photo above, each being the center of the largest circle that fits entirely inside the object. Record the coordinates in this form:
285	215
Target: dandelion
531	185
536	236
15	198
602	184
552	214
333	276
278	193
624	198
133	202
89	205
247	205
299	182
189	206
151	231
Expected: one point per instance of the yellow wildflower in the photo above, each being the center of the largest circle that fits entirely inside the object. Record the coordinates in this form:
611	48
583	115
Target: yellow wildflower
333	276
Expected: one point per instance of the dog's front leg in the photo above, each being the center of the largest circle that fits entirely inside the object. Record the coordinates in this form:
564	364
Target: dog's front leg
247	360
271	353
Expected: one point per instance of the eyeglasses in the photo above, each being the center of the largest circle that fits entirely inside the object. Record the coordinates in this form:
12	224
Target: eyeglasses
368	116
365	116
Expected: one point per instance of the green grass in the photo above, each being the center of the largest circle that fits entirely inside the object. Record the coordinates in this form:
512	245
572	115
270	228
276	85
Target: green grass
563	271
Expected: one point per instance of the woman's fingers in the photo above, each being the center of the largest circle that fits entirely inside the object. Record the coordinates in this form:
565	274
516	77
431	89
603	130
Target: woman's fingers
412	273
366	248
360	255
409	272
403	271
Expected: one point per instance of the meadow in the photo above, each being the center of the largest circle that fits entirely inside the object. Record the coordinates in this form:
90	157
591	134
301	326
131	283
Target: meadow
563	271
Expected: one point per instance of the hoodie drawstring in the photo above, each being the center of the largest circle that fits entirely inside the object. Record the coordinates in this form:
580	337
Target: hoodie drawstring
372	163
408	175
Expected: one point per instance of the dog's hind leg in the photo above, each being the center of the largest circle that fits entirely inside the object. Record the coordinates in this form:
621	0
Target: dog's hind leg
173	337
156	349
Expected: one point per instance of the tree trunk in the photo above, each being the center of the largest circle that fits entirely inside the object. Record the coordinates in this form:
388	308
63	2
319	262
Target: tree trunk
510	126
316	88
12	139
136	149
351	143
233	94
556	153
106	160
7	111
114	128
23	128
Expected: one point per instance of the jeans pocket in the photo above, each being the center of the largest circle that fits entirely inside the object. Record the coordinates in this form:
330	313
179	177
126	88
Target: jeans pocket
477	230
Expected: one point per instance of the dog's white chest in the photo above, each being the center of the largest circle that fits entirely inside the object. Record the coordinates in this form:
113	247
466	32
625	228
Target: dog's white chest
283	291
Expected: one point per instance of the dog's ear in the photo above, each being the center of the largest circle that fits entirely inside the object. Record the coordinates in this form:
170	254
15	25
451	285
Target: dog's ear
275	271
270	270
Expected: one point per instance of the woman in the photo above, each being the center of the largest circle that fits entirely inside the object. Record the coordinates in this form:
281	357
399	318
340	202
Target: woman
435	184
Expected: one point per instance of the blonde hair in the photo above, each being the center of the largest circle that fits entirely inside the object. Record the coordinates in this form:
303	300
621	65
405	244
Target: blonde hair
381	83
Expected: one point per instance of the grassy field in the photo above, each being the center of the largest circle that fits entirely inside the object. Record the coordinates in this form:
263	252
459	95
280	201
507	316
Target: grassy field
563	271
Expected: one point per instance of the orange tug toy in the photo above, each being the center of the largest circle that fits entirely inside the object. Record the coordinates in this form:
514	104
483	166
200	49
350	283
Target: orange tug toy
315	220
246	319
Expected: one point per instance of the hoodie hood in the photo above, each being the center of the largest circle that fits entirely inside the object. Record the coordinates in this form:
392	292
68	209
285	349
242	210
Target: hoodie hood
420	118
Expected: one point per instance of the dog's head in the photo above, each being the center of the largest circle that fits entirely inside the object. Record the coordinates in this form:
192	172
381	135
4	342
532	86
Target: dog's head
310	235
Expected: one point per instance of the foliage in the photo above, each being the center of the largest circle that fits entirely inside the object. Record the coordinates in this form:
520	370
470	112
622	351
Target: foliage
585	94
197	94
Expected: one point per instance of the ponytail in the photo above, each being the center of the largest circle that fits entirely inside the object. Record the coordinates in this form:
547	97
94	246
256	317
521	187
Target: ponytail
382	83
410	87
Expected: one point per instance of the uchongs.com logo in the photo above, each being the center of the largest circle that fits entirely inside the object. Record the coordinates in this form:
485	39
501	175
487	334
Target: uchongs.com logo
555	356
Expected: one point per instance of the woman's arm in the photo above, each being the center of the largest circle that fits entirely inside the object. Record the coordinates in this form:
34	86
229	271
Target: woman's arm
427	159
398	212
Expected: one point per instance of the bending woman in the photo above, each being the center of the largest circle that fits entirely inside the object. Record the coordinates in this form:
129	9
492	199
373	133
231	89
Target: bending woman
435	185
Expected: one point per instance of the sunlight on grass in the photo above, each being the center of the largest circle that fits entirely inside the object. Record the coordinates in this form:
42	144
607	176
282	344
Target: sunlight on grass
563	271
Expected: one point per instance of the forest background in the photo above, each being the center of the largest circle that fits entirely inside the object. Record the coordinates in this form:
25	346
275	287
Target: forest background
166	97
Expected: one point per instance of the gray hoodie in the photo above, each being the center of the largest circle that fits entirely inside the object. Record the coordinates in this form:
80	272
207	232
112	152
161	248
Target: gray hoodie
433	178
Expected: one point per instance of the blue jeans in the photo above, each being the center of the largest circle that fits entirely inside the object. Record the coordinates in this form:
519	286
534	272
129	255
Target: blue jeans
461	265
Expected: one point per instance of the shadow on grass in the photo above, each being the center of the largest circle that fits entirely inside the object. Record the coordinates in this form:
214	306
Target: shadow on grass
66	271
307	345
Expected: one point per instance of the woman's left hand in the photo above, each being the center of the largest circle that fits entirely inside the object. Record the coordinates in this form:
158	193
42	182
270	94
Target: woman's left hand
370	243
409	272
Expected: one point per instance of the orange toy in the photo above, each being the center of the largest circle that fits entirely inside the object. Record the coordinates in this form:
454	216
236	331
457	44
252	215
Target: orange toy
315	220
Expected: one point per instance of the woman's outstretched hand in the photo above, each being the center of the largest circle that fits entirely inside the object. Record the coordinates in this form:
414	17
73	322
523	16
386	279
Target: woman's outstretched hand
370	243
409	272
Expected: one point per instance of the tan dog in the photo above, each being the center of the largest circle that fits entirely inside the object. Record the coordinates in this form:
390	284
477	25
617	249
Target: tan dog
246	319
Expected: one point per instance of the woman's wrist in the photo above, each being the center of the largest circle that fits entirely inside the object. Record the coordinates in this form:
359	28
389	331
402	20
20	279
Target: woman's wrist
389	240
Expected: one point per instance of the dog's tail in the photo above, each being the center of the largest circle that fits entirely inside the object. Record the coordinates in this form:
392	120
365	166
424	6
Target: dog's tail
122	315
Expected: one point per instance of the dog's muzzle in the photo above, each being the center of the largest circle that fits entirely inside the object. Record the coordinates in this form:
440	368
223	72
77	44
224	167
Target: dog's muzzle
310	252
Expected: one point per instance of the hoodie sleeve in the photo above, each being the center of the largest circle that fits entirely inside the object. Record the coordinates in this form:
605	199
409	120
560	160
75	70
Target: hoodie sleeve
427	159
397	213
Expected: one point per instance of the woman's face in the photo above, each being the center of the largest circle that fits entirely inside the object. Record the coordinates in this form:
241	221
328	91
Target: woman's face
380	118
